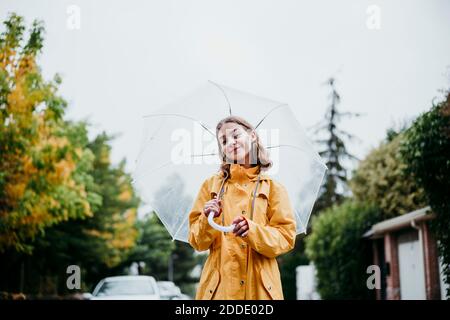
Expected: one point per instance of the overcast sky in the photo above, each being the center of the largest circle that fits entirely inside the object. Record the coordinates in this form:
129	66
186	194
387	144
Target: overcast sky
127	58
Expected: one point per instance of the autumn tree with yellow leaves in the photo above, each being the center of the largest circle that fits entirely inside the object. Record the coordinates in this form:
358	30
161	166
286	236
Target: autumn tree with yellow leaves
101	244
41	171
62	202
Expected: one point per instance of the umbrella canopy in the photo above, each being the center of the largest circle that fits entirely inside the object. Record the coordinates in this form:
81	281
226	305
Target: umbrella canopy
179	151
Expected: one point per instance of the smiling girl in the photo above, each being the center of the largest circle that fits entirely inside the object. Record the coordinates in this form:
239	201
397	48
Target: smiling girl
241	264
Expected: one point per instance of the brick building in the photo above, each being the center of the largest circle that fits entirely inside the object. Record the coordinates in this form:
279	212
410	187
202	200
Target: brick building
406	252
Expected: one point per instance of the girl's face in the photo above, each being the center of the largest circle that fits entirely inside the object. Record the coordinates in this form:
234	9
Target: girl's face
235	141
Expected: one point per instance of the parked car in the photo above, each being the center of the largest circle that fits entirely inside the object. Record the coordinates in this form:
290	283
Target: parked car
127	288
182	296
168	290
86	295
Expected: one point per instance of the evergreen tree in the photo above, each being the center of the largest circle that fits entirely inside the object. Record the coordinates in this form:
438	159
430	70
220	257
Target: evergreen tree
334	152
154	247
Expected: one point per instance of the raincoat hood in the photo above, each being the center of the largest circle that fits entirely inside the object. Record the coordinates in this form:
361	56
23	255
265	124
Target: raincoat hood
240	173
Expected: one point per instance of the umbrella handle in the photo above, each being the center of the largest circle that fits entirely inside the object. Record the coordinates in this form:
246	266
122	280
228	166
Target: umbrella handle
217	226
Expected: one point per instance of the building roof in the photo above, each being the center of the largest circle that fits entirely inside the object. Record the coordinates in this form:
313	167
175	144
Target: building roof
399	222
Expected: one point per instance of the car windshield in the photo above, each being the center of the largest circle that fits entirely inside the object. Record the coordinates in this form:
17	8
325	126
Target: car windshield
126	287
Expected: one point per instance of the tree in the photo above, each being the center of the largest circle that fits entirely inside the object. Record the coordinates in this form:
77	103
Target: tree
98	244
61	200
184	262
380	179
154	247
426	152
334	152
41	171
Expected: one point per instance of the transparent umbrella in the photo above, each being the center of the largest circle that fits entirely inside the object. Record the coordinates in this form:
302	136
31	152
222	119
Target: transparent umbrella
179	151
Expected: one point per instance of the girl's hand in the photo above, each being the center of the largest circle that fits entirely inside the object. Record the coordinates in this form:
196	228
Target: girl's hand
241	226
214	205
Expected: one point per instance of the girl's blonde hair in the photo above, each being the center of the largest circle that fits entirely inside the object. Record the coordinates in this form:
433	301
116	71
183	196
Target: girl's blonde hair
257	149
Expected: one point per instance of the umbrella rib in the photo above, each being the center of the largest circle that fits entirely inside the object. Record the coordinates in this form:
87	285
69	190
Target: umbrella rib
181	224
284	145
147	140
295	147
157	130
179	228
279	106
164	223
204	154
268	147
182	116
153	170
225	95
303	225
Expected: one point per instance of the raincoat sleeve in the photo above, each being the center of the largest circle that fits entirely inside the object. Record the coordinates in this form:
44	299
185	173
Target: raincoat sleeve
201	234
278	236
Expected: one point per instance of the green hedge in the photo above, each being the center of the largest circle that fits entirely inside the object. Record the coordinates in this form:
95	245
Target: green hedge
339	252
426	150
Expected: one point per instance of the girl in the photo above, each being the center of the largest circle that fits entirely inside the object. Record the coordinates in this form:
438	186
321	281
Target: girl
241	265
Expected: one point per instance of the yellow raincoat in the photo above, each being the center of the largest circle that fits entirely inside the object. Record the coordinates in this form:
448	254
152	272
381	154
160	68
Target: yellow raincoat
243	267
